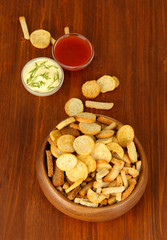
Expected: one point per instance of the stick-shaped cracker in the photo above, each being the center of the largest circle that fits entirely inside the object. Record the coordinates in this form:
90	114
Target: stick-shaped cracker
66	30
24	27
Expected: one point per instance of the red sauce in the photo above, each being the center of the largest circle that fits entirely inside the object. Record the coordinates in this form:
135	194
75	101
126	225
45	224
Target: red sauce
72	51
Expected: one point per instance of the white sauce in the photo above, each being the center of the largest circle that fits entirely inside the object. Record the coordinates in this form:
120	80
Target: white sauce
42	75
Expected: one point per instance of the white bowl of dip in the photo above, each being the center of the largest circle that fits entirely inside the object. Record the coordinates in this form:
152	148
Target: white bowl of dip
42	76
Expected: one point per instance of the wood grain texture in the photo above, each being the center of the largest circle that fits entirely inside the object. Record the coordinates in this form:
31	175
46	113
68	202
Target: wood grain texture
130	39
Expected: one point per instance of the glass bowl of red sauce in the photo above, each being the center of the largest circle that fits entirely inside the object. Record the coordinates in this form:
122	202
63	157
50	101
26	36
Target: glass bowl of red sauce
73	51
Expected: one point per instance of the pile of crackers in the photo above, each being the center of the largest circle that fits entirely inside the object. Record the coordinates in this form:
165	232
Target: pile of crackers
93	161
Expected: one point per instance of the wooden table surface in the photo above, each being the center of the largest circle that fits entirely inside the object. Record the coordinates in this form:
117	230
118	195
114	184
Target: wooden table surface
130	41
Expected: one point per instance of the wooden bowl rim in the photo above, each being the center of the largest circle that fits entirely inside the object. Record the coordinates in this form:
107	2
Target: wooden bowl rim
78	211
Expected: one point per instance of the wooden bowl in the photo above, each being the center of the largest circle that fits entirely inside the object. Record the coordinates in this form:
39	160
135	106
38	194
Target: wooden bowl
84	213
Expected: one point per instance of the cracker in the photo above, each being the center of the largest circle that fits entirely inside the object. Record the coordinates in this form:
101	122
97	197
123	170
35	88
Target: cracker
84	190
49	159
58	177
111	190
73	193
100	164
104	140
99	105
66	161
116	148
65	123
89	128
56	152
114	172
107	83
83	145
101	152
24	27
116	81
89	161
74	185
65	143
106	133
105	120
91	89
94	197
125	134
86	117
74	106
70	131
40	38
133	172
128	191
54	134
132	151
80	171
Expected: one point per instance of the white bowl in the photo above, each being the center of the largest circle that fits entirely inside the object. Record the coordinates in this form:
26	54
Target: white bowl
47	93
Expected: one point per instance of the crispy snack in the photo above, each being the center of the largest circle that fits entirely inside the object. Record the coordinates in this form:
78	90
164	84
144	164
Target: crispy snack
133	172
80	171
116	81
116	148
104	120
65	143
138	166
126	158
119	180
49	140
117	162
74	126
132	151
55	134
89	128
111	126
100	164
94	197
106	133
85	202
73	193
124	178
86	117
84	190
65	123
91	89
111	190
74	185
66	162
118	196
56	152
125	134
100	185
114	139
104	140
66	185
70	131
24	27
83	145
104	203
128	191
101	152
99	105
66	30
112	200
107	83
113	184
49	159
112	174
89	162
73	106
102	174
40	38
58	177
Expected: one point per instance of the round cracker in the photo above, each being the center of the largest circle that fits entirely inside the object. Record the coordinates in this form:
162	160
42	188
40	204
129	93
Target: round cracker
94	197
89	161
65	143
91	89
56	152
125	134
100	151
83	145
40	38
115	147
74	106
66	161
54	134
80	171
107	83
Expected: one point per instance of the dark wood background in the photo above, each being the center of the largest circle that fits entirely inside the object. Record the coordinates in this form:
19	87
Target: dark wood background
130	41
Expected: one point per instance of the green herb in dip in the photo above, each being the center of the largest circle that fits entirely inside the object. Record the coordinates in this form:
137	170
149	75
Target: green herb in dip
42	75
